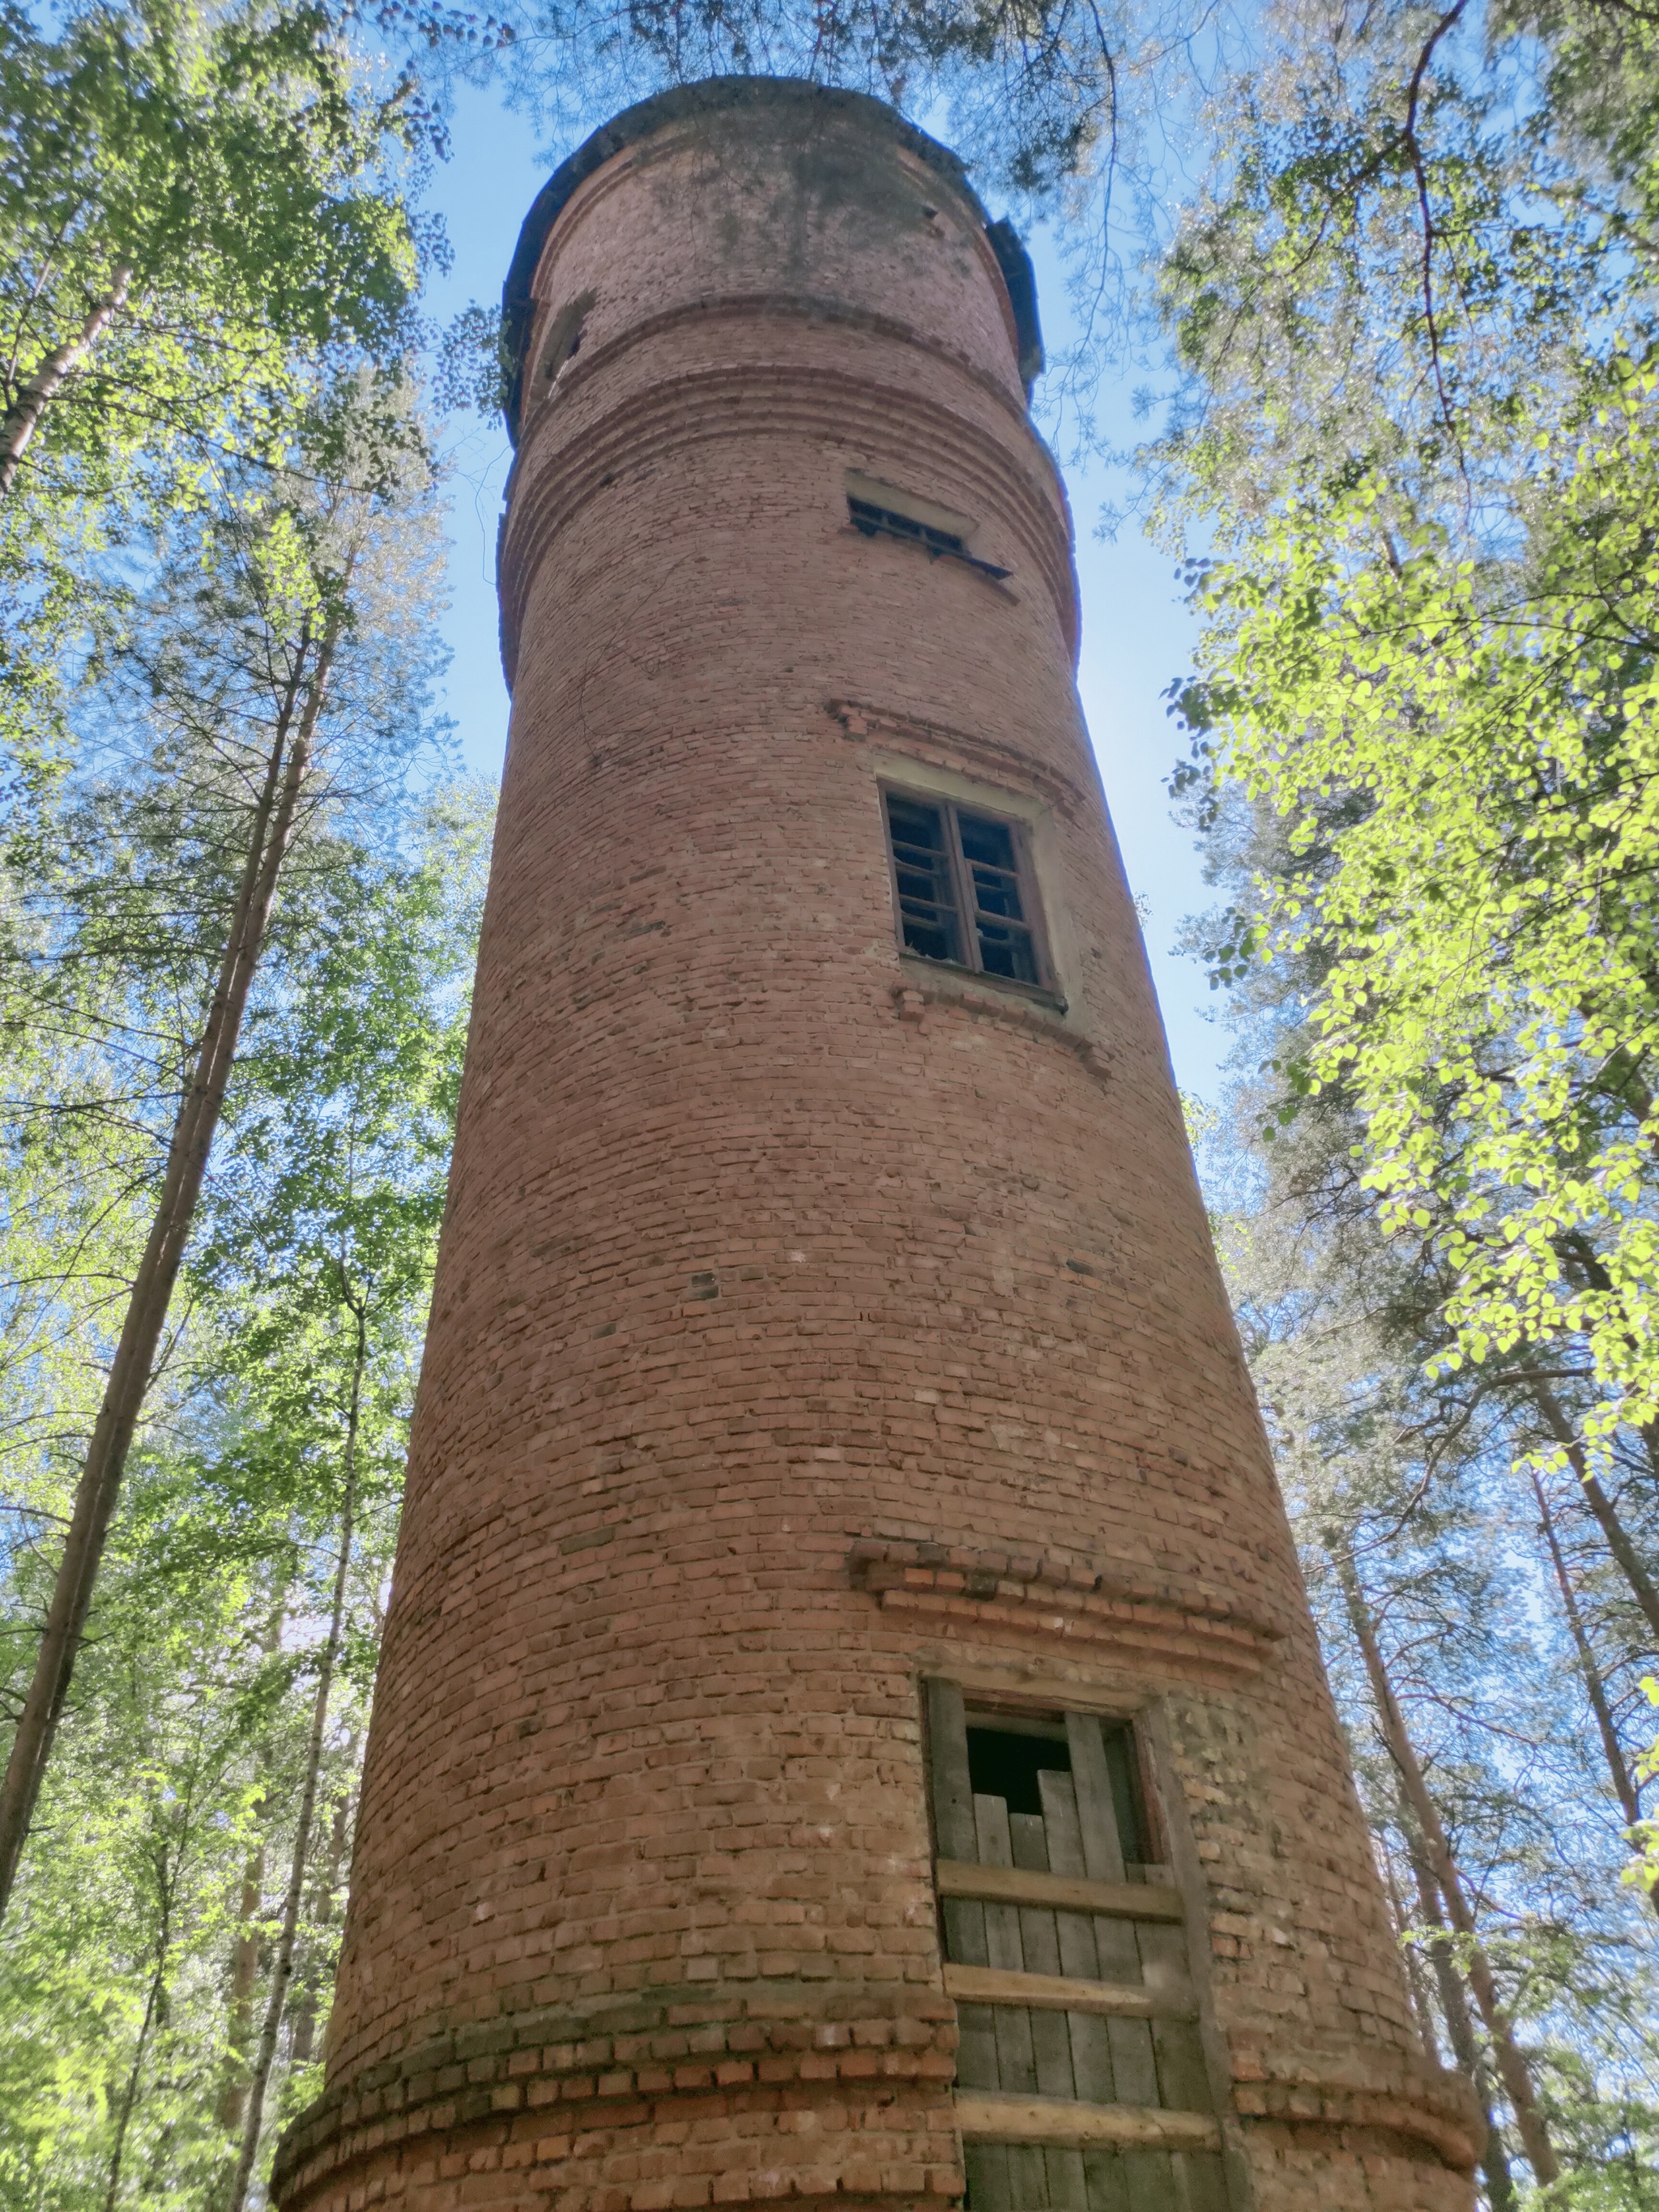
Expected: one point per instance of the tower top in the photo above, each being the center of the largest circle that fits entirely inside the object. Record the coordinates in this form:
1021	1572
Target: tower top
718	94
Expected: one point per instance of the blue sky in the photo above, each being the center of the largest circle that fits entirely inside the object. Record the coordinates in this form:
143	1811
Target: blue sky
1136	633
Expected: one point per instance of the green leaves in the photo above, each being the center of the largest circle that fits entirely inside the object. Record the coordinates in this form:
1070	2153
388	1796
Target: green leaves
182	1758
232	161
1484	923
298	1328
202	225
327	1204
1419	308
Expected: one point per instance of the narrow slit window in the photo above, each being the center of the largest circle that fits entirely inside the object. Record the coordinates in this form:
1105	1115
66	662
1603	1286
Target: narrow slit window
880	510
564	337
963	889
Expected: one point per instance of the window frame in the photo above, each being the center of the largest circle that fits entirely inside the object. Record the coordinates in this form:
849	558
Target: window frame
876	509
1046	988
870	520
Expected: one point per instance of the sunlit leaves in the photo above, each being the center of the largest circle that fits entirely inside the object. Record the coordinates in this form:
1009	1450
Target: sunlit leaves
1419	307
227	181
1490	994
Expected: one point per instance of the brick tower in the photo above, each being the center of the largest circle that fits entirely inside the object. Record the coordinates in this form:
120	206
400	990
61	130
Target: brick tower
850	1726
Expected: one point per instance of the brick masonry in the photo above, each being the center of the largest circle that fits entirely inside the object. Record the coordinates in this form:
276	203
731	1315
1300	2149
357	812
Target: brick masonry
807	1318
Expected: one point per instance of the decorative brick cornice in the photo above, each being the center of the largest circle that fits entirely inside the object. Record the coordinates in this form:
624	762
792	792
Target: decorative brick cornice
542	2066
1423	2105
507	2077
599	364
1155	1628
967	752
779	397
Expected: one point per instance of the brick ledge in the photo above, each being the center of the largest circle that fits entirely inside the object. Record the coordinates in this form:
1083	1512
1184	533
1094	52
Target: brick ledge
539	2072
861	719
787	398
981	1002
542	2065
971	1592
1400	2096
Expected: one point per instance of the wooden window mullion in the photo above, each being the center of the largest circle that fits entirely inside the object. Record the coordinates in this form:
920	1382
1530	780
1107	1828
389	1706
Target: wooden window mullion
1018	939
1025	875
966	898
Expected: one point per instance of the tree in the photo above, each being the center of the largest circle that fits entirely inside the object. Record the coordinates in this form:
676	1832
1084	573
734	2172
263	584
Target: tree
201	220
1483	920
1417	311
1453	1664
319	1256
1443	1870
110	2033
215	1624
196	217
303	654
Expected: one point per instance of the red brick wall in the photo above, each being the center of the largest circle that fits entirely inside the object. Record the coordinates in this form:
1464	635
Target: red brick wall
764	1244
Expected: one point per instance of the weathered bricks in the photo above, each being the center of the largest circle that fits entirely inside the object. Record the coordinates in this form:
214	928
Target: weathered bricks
807	1317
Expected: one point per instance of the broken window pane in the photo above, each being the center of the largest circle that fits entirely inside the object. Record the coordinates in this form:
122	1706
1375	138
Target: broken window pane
1004	938
964	890
873	521
921	865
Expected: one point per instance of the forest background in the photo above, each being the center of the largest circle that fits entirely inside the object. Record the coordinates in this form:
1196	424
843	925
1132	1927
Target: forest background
1392	304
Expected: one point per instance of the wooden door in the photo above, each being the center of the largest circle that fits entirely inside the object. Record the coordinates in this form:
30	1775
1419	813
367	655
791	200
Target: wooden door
1081	2083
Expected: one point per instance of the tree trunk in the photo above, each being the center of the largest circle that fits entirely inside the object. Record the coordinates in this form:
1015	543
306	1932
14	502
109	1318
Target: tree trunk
326	1890
129	1377
243	1976
282	1973
1635	1094
38	390
245	1954
1618	1543
130	2095
166	1880
1460	2030
1412	1958
1624	1785
1516	2074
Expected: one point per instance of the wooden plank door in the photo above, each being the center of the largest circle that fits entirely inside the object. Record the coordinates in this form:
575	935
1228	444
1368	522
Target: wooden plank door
1013	1935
